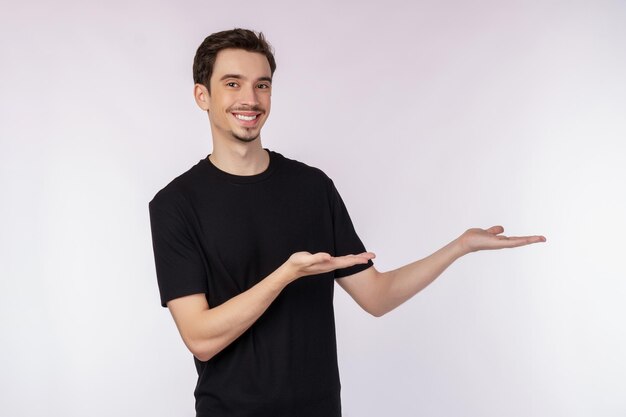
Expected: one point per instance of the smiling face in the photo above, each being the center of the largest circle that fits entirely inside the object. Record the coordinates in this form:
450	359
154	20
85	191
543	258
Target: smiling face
239	101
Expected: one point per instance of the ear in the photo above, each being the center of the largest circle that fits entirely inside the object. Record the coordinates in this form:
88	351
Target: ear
201	94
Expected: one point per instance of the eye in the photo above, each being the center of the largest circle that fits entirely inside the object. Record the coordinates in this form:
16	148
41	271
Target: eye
263	85
232	84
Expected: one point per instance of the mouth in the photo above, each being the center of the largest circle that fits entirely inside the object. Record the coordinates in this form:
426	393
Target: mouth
247	118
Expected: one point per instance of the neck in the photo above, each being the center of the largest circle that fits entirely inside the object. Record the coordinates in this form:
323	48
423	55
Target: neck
240	158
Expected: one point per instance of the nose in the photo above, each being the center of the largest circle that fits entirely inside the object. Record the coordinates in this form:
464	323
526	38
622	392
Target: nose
249	96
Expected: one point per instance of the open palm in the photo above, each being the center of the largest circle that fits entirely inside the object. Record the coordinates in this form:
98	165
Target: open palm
306	263
483	239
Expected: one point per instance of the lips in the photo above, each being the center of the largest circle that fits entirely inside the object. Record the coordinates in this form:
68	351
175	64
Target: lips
247	118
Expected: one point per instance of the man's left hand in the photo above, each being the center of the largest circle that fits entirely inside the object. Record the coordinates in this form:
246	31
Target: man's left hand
483	239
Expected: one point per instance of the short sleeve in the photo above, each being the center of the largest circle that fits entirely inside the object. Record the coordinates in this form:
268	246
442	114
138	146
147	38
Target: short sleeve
178	260
346	239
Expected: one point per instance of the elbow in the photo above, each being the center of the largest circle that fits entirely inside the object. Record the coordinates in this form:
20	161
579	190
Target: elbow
376	306
202	350
377	313
372	309
202	356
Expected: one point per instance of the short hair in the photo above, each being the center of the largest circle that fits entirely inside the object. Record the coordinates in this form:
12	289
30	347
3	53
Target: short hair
237	38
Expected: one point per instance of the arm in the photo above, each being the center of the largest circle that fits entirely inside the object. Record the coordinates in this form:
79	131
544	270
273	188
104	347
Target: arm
380	292
206	331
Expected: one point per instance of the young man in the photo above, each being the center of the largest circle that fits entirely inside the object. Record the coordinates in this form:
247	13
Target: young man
248	245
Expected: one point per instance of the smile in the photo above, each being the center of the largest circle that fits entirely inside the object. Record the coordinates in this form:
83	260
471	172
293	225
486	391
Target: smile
245	117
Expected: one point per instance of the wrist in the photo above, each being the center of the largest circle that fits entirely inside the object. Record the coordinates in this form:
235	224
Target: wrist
459	247
285	274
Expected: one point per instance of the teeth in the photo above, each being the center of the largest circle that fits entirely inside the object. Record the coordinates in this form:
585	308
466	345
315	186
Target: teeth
247	118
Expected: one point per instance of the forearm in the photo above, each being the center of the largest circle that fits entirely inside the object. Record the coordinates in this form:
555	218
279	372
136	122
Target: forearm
215	328
380	292
401	284
206	331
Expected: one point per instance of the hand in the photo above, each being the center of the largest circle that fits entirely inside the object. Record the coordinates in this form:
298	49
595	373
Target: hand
302	264
480	239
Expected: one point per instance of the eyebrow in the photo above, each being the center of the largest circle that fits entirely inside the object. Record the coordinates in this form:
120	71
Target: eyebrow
241	77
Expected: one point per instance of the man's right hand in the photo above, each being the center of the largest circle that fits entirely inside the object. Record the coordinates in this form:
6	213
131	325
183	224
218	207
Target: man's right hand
206	331
301	264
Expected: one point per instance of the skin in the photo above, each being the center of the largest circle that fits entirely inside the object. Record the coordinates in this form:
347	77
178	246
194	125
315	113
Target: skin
241	84
237	147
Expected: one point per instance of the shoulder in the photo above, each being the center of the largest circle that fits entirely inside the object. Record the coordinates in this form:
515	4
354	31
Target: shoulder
177	191
302	170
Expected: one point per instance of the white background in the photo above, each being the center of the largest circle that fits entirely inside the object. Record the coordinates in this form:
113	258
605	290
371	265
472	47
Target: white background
431	117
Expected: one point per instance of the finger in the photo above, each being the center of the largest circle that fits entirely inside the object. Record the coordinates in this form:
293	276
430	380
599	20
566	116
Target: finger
349	260
515	241
496	229
363	255
320	257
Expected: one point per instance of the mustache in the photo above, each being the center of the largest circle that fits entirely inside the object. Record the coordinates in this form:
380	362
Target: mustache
246	108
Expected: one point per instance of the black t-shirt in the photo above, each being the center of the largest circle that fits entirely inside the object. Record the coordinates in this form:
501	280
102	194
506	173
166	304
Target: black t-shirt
220	234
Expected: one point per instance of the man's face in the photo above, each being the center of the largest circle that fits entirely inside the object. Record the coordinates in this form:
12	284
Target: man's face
240	97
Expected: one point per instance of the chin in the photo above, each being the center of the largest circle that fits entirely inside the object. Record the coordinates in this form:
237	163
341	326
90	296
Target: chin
246	139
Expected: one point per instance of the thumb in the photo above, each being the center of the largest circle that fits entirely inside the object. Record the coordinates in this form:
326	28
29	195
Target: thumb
496	230
320	257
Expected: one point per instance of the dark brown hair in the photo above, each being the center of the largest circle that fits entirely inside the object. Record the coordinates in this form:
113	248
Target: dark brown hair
236	38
